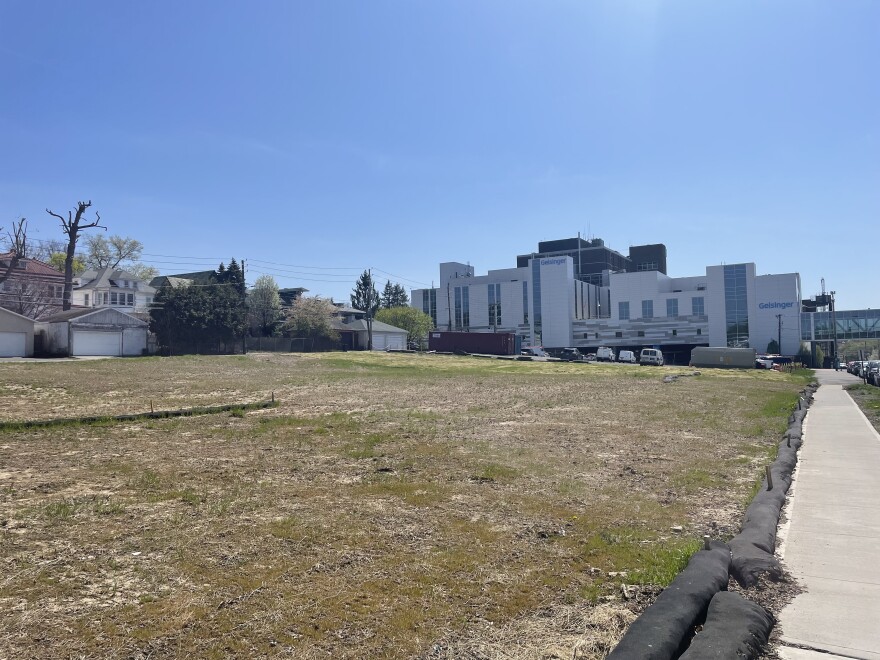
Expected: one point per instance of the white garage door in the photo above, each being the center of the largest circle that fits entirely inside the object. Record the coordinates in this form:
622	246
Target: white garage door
13	344
395	341
378	342
97	343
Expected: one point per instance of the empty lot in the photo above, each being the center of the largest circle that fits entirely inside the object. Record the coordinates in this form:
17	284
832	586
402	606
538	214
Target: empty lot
390	506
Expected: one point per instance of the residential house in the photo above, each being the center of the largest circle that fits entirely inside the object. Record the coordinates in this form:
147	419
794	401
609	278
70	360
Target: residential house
351	324
290	295
32	289
112	287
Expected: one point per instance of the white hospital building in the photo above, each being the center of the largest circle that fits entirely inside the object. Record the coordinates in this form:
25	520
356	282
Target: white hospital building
544	302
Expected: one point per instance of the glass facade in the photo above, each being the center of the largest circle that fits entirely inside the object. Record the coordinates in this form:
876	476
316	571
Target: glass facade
458	308
850	324
623	310
525	302
672	307
494	305
647	309
698	306
736	305
429	304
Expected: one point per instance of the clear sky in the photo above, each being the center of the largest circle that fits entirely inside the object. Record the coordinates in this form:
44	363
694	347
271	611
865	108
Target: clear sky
316	139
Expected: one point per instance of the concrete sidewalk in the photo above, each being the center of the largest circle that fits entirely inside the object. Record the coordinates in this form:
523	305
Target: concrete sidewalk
831	543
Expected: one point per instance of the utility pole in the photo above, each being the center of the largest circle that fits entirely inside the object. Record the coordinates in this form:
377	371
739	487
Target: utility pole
779	333
834	326
370	311
244	293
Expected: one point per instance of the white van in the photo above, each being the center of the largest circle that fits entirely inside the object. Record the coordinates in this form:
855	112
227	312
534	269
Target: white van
604	354
627	356
651	356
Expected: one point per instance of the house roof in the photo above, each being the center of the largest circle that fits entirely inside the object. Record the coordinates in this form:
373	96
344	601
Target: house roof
361	326
31	266
106	277
175	280
3	310
82	312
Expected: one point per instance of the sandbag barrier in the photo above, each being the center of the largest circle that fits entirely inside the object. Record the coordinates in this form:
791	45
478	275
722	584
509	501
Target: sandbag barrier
729	625
157	414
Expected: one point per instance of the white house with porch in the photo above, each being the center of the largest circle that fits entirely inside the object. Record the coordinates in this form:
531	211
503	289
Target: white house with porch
112	287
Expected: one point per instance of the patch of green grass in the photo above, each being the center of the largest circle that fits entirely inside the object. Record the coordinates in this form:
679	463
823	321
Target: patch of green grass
496	472
365	448
63	509
646	558
695	478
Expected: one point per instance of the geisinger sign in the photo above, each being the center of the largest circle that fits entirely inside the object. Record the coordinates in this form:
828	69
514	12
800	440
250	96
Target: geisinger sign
776	305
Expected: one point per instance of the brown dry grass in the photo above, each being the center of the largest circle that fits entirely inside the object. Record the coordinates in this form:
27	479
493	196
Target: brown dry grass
391	506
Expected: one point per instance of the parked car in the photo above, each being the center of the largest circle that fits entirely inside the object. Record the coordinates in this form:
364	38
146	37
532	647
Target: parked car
534	351
872	367
590	357
627	356
570	355
651	356
605	354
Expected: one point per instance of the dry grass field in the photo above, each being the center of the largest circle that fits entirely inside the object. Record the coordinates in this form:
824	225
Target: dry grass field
390	506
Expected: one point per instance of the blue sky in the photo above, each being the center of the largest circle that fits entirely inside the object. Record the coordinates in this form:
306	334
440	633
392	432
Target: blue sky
317	139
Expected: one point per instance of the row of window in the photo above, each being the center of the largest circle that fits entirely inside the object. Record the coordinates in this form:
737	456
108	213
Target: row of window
639	333
111	298
698	308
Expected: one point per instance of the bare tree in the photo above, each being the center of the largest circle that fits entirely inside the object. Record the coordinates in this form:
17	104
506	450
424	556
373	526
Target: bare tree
17	240
29	297
111	252
72	227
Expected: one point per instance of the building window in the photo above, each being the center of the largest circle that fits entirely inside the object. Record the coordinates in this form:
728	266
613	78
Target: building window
623	310
672	307
674	332
525	302
648	265
429	303
458	308
698	306
647	309
495	305
113	298
130	300
699	331
597	335
641	333
618	334
465	306
87	300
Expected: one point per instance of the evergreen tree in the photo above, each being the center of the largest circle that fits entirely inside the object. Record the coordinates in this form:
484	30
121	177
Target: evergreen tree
401	299
388	295
366	298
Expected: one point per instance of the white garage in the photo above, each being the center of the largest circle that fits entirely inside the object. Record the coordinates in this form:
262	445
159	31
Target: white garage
96	331
385	337
16	334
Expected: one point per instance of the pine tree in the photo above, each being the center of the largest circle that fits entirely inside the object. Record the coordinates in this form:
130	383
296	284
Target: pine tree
366	298
388	295
401	299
